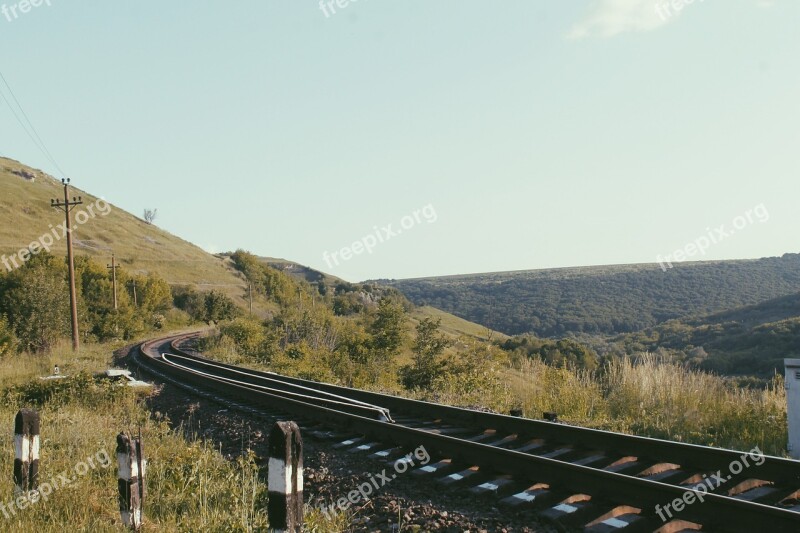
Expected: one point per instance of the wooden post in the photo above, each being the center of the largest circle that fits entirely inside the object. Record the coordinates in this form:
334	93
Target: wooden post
26	451
285	474
131	467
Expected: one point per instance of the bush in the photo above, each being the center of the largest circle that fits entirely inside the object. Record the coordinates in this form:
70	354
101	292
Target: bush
248	335
428	347
81	389
210	307
8	342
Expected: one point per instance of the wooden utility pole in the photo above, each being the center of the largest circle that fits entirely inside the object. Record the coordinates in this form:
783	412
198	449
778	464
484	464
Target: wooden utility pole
113	266
67	206
135	300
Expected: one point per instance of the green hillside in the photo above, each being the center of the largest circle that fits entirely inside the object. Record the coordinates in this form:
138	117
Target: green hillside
752	339
139	247
604	299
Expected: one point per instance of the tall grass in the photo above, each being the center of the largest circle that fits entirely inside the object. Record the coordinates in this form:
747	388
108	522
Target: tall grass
647	396
191	485
656	398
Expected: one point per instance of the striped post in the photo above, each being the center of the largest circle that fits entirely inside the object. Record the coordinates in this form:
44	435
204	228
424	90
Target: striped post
26	451
131	466
285	505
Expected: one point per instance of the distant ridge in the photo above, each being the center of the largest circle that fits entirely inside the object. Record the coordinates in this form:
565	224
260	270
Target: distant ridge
607	299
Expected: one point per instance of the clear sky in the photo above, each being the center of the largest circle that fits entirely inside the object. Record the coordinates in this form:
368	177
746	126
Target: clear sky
539	133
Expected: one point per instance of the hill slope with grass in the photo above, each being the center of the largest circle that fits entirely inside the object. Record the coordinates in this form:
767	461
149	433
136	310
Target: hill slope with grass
604	299
26	215
139	247
749	340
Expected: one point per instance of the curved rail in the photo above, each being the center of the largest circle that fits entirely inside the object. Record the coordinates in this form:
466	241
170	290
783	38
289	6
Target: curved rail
367	413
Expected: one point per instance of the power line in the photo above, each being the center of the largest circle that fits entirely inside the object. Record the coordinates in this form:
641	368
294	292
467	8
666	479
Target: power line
20	122
40	144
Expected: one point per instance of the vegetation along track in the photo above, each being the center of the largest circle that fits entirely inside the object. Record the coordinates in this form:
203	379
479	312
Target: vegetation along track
581	478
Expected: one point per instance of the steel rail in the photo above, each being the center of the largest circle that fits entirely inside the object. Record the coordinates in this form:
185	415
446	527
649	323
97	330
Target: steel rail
717	511
696	457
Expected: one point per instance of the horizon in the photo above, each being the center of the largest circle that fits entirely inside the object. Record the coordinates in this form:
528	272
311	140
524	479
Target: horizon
387	141
688	262
458	274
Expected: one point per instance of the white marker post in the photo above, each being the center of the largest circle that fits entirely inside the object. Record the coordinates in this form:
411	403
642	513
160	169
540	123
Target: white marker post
26	451
793	405
285	505
131	466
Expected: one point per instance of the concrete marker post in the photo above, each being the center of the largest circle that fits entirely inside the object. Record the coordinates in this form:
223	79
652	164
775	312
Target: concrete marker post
285	505
26	451
792	384
131	471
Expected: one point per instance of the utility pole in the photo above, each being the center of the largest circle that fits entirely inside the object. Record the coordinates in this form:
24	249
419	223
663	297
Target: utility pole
135	301
67	206
113	266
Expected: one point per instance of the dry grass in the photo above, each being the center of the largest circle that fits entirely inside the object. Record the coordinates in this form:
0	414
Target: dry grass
191	486
454	325
660	399
25	215
649	397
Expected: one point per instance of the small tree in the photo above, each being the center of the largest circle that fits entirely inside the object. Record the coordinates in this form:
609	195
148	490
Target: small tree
387	329
218	307
247	334
8	341
428	347
32	297
150	215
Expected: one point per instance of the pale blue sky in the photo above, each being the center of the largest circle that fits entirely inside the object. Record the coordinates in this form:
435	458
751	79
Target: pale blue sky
543	133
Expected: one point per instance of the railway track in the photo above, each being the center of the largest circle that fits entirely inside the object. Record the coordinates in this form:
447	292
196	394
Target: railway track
581	478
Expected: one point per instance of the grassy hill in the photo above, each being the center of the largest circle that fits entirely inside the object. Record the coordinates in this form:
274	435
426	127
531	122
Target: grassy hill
301	272
774	310
752	339
450	324
456	326
26	215
604	299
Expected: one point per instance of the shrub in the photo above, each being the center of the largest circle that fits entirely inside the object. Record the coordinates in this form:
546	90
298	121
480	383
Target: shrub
248	335
8	342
